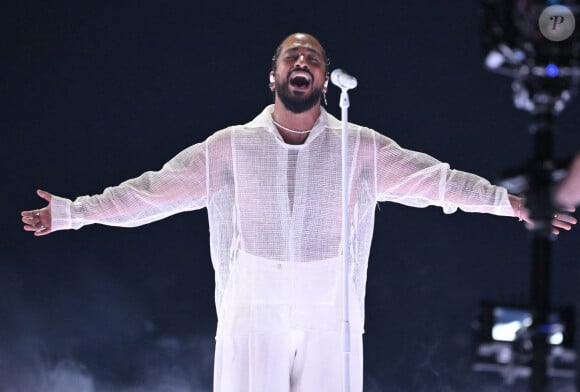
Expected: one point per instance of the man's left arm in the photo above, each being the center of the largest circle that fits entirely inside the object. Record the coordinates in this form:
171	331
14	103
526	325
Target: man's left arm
419	180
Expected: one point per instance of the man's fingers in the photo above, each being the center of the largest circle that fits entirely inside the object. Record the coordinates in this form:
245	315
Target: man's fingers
30	228
33	213
40	233
562	225
35	221
38	221
566	218
38	229
564	221
45	195
31	217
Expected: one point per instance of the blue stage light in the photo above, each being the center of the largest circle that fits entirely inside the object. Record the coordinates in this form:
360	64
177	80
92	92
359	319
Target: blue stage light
552	70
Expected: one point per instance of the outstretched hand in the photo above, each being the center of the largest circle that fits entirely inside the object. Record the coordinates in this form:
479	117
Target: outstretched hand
38	221
561	220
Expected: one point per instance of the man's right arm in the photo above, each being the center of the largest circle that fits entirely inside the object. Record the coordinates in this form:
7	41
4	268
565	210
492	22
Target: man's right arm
181	185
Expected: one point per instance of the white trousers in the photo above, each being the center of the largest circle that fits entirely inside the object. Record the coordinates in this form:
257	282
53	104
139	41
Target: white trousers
280	328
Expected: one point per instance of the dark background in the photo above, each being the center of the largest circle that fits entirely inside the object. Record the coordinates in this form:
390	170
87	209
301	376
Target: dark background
93	93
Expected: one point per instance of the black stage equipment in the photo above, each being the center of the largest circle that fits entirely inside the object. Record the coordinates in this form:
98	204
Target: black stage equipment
537	45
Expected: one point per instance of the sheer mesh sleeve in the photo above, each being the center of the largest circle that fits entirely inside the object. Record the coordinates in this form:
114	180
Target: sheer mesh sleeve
179	186
419	180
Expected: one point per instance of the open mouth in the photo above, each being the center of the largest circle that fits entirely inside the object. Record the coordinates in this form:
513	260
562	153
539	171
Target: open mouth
300	79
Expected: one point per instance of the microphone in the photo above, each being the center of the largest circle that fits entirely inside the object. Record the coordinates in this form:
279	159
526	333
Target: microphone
342	80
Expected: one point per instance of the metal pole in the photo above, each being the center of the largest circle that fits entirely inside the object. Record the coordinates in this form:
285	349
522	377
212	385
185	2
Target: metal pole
541	211
345	82
541	249
344	105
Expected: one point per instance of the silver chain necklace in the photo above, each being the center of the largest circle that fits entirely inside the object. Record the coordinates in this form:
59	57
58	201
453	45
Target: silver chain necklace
288	129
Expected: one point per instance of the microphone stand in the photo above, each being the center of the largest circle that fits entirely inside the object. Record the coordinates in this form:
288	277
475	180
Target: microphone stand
344	82
344	105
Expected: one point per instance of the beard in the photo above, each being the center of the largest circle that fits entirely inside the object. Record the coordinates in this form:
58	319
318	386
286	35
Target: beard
297	104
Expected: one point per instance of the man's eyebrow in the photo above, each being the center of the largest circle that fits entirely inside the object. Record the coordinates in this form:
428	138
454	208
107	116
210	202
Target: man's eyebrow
296	48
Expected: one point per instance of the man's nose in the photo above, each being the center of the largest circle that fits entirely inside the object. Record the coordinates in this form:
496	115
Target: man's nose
301	61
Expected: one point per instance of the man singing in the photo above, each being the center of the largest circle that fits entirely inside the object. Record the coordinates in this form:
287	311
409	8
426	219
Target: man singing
272	189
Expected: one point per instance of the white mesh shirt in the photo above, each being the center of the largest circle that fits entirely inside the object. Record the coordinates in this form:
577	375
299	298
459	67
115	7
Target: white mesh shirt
283	202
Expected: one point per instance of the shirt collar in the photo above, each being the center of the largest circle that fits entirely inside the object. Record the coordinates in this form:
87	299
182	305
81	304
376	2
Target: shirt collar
324	121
